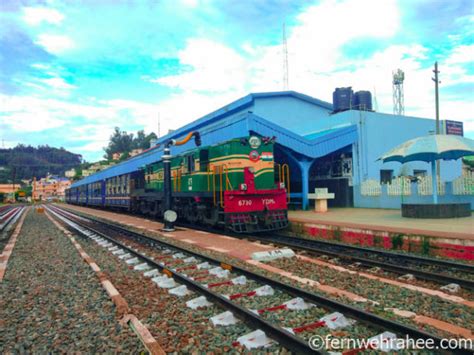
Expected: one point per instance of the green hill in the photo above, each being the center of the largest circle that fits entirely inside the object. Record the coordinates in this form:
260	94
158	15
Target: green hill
24	162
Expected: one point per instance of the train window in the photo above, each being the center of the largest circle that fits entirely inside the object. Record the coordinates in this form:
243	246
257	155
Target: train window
125	178
203	159
190	163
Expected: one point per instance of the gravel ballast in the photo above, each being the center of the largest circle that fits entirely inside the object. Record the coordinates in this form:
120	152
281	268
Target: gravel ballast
176	327
386	295
51	301
377	309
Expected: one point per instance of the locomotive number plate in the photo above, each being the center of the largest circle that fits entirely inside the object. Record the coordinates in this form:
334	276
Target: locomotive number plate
245	203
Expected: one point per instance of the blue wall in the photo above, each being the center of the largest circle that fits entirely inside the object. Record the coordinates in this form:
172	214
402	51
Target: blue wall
378	133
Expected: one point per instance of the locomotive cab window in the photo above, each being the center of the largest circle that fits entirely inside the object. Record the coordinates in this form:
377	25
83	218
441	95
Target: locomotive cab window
203	159
190	163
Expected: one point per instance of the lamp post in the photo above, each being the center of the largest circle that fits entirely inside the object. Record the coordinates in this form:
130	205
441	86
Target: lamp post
170	215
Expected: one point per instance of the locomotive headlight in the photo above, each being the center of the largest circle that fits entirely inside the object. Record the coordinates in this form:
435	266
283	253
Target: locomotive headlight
243	187
254	142
282	185
254	156
170	216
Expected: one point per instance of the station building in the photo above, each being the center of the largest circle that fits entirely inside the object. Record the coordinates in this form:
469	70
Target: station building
323	149
334	150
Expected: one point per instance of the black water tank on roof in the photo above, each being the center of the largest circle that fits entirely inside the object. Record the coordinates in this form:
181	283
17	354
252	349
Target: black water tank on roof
363	101
342	99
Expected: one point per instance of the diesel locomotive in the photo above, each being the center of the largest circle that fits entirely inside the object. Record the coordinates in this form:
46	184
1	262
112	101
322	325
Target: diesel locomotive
234	185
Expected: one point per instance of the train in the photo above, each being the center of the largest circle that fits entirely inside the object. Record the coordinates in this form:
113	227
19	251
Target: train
234	185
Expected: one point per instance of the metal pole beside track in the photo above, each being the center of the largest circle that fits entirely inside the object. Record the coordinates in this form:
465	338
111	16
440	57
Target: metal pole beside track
168	198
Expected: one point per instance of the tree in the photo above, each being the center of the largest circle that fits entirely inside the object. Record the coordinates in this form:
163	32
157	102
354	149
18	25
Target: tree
120	142
142	141
123	142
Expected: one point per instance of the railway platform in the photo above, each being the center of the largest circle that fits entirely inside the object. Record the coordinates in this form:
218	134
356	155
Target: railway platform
452	238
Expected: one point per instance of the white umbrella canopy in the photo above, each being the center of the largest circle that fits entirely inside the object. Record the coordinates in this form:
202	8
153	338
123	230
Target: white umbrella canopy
431	148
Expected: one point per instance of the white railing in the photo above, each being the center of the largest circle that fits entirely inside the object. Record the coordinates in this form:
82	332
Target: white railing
425	186
370	188
464	185
399	186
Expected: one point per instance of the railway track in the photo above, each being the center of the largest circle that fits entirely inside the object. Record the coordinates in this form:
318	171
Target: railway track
7	221
170	260
428	269
441	272
9	217
5	209
437	271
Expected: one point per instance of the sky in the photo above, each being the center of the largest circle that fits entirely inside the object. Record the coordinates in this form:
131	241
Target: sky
70	71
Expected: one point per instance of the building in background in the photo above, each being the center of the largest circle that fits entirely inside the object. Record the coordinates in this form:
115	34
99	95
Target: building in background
116	156
135	152
70	173
9	188
50	188
7	192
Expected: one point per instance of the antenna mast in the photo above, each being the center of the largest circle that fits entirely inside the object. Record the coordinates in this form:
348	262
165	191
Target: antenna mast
376	105
158	135
285	60
398	96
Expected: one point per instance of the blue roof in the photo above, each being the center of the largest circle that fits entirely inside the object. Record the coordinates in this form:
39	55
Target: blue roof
217	131
237	106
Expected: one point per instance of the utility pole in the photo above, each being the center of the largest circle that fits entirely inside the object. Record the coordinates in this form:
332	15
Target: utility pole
435	79
437	82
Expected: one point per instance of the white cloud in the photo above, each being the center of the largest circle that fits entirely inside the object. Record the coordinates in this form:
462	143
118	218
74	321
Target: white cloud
461	54
58	83
214	74
215	68
40	66
36	15
190	3
316	64
314	53
55	44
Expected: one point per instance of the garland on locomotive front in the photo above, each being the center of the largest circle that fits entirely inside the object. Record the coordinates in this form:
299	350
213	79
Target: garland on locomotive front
230	184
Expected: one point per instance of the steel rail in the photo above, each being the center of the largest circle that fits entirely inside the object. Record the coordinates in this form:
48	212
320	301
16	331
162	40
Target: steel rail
282	336
365	317
314	247
413	258
318	247
9	217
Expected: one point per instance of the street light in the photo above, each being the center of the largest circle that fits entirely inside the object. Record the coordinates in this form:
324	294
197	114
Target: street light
170	216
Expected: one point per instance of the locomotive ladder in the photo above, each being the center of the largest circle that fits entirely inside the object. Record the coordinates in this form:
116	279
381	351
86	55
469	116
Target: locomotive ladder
221	174
176	177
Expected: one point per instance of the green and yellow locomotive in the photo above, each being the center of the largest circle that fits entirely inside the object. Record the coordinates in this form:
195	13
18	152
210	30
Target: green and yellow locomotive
230	184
